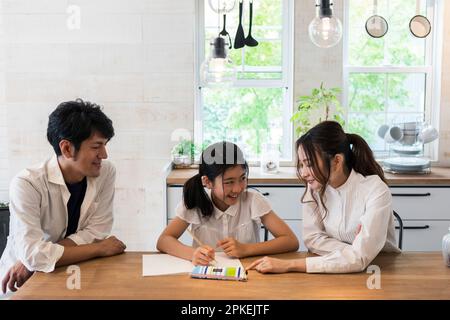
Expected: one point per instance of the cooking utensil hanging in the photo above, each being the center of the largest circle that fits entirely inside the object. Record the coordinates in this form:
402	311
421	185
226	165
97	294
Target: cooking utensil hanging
419	25
224	32
250	41
239	39
376	25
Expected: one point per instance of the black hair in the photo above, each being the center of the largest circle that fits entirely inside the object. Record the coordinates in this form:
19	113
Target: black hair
327	139
76	121
214	161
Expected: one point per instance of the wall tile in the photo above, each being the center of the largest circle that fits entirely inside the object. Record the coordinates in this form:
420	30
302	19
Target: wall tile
168	28
169	87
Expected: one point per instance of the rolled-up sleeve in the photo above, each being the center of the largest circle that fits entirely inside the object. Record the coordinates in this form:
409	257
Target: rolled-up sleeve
99	224
35	253
367	244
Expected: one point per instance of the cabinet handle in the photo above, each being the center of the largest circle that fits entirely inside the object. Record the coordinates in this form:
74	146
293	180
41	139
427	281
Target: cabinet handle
415	227
263	193
427	194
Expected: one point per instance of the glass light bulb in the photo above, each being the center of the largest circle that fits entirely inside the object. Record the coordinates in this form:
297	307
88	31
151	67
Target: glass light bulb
218	68
222	6
325	32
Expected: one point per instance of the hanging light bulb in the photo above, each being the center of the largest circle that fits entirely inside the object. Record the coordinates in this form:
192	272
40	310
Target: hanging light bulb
217	67
222	6
325	30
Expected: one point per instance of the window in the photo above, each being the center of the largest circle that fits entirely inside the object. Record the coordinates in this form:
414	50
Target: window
388	79
255	111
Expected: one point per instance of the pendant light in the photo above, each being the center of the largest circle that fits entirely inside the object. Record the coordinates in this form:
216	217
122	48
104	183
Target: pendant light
218	68
325	30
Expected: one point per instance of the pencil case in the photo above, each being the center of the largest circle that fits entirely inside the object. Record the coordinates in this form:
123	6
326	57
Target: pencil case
219	273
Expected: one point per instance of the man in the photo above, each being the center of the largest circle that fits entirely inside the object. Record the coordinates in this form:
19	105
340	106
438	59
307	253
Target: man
61	210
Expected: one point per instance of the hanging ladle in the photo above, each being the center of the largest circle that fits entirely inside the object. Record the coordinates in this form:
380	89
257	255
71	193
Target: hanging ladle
419	25
376	26
224	32
250	41
239	39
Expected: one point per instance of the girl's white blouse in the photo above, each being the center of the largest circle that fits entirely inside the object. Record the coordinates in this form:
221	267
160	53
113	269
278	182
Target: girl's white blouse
240	221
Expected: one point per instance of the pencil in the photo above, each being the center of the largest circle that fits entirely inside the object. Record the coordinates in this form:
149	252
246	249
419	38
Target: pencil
199	242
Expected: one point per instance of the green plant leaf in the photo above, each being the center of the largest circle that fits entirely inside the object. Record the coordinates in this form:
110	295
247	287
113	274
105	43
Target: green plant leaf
321	99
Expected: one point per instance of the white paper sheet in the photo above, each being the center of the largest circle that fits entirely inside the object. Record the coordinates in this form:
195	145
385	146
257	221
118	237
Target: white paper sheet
225	261
163	264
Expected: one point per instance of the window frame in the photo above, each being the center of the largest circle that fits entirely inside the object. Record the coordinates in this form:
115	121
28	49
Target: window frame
286	82
431	70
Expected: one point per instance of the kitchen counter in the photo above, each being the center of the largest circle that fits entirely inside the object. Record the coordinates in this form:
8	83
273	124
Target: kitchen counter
287	175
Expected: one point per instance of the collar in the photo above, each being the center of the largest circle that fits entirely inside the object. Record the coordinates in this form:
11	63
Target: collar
231	211
351	180
54	173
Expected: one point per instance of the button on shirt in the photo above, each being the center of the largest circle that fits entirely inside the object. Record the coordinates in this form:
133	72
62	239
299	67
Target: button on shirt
364	201
241	221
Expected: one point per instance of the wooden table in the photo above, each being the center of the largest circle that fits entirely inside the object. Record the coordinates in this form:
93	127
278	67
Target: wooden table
403	276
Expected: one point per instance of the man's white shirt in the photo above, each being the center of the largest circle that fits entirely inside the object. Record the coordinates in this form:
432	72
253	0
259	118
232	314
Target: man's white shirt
38	207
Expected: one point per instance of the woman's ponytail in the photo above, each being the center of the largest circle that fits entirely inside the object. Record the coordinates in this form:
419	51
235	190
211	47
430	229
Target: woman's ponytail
194	196
361	157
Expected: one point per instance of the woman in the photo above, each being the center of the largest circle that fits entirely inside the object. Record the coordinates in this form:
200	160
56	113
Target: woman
347	212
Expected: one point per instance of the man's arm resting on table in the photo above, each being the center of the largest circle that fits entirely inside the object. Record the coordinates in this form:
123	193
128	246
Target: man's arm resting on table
74	253
18	274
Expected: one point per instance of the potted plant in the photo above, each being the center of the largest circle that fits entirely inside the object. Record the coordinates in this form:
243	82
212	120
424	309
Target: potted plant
183	153
4	225
319	104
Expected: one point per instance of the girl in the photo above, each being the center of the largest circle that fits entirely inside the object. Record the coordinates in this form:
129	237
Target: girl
347	212
225	215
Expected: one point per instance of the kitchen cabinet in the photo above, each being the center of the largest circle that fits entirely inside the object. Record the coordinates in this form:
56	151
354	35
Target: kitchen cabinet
425	213
4	228
422	201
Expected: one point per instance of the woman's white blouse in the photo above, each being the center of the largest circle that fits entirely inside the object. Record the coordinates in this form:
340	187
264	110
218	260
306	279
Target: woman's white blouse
240	221
364	201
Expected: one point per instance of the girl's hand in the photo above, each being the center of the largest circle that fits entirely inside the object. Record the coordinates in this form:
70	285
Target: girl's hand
270	265
203	256
233	248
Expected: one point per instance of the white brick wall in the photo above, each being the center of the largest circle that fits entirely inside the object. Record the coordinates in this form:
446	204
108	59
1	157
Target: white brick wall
444	135
4	163
136	58
133	57
313	65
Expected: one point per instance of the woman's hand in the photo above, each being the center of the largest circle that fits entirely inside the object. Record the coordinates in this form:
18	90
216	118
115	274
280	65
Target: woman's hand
203	256
233	248
270	265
